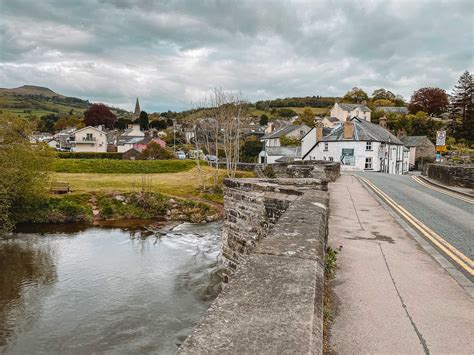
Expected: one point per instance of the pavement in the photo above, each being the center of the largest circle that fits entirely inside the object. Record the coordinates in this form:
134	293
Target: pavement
391	295
461	190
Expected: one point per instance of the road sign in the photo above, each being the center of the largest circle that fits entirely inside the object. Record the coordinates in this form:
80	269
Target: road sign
441	138
440	148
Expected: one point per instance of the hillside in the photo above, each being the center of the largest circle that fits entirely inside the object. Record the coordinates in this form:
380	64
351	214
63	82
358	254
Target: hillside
30	100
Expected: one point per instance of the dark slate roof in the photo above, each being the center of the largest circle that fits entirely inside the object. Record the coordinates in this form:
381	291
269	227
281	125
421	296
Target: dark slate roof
363	131
283	131
351	107
392	109
293	152
333	119
413	141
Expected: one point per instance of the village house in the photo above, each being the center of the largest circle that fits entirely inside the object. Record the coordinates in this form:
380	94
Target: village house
344	112
329	122
89	139
421	148
359	146
273	149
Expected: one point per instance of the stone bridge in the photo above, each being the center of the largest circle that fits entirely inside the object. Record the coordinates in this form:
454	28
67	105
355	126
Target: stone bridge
273	243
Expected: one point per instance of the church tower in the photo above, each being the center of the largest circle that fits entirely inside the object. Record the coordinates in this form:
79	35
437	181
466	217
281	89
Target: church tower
136	113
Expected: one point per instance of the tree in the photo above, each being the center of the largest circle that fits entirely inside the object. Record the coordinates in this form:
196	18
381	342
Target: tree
24	168
250	149
286	112
307	118
263	120
461	107
382	102
159	124
99	114
289	141
144	121
156	151
382	94
430	100
356	96
122	123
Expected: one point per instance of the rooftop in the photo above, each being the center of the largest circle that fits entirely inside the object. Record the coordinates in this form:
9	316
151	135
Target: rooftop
284	131
363	131
352	107
413	141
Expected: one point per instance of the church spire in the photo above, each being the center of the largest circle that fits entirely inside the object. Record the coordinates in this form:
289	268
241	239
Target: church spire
137	108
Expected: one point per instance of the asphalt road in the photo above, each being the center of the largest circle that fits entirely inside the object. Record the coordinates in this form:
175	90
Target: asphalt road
449	217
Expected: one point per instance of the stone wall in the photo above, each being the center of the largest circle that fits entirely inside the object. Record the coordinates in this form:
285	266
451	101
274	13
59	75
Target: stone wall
275	231
453	175
319	169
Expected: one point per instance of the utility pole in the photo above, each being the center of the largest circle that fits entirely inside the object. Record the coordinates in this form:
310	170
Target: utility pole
174	136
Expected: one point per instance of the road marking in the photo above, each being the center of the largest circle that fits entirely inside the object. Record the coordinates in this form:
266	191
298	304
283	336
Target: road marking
462	260
449	193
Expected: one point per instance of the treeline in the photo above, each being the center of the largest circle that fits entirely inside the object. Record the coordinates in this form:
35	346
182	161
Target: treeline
309	101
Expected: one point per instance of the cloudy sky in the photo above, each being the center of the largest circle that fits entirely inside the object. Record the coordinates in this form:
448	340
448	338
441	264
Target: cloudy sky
170	53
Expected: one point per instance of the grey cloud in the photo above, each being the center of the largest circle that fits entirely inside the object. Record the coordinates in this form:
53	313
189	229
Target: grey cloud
171	52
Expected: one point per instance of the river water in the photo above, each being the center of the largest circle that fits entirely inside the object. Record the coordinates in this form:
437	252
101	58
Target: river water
105	290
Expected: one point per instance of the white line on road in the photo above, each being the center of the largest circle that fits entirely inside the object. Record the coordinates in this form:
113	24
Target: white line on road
449	193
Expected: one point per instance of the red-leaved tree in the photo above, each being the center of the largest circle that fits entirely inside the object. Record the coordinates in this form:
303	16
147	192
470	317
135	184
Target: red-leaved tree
99	114
433	101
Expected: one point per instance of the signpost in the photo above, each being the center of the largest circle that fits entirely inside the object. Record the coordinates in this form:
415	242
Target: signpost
440	143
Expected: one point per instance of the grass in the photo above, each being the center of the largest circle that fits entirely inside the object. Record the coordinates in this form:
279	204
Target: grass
181	184
109	166
319	111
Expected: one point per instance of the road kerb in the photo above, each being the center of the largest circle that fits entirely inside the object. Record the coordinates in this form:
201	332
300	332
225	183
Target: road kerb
443	191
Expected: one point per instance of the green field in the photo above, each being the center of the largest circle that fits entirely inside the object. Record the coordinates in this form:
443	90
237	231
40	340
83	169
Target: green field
109	166
318	111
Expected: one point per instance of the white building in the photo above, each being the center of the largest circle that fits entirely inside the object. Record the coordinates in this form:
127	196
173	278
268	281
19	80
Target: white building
359	146
272	141
344	112
89	139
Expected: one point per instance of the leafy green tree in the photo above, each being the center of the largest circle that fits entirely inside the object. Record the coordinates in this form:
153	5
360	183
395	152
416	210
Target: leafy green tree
307	118
122	123
461	107
263	120
249	149
286	141
382	94
159	124
355	95
144	121
286	113
382	102
24	168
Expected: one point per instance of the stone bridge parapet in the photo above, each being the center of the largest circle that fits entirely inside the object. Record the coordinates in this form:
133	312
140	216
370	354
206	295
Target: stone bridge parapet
274	242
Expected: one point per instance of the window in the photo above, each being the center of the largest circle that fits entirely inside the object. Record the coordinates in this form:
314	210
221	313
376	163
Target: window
368	146
326	147
331	159
368	163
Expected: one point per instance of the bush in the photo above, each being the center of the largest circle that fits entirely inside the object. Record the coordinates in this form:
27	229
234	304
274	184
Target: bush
86	155
107	166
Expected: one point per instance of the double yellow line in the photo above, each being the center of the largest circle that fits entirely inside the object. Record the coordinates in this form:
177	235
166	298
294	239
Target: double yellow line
462	260
449	193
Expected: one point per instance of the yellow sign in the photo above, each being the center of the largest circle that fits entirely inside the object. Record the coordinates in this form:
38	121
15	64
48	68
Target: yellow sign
440	148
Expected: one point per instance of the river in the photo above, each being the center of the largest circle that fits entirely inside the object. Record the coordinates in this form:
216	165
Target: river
105	290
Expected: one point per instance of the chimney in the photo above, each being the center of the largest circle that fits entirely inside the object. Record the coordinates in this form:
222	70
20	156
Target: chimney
383	122
401	134
100	127
348	130
319	132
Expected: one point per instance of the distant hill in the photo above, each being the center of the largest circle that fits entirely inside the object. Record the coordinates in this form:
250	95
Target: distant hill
30	100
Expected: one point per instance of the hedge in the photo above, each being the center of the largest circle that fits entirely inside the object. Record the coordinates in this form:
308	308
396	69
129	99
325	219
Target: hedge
87	155
108	166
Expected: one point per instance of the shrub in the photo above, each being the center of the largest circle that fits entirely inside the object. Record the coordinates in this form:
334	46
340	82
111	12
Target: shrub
87	155
108	166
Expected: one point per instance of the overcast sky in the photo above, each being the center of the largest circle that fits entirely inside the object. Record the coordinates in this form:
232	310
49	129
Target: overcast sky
169	53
